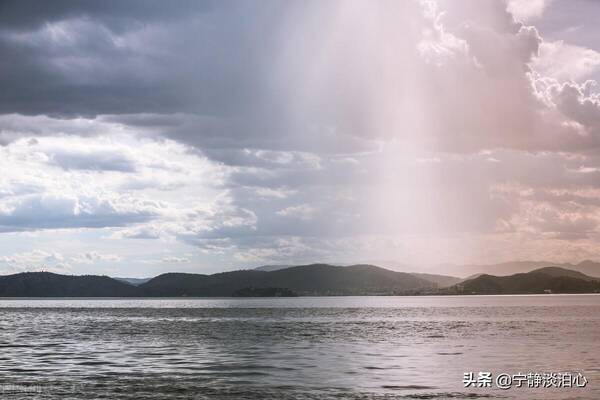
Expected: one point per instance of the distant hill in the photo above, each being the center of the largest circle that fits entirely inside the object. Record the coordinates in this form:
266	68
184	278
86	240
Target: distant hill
133	281
558	271
439	280
499	269
268	268
547	279
315	279
587	267
304	280
47	284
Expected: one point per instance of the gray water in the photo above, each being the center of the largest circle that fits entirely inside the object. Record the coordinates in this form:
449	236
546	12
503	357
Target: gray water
294	348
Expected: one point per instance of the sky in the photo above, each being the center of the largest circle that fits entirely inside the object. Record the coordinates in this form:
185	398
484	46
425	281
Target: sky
144	137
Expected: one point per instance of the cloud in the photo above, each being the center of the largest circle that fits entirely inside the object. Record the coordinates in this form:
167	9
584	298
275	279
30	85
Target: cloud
55	211
152	69
267	95
302	211
36	260
92	257
174	259
96	161
311	130
566	62
565	226
527	10
57	182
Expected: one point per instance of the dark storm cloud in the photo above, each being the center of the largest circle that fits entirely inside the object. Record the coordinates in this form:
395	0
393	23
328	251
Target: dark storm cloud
87	58
227	74
25	15
306	75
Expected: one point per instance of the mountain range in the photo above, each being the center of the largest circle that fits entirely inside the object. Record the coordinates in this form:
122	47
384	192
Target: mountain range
303	280
467	271
587	267
47	284
539	281
314	279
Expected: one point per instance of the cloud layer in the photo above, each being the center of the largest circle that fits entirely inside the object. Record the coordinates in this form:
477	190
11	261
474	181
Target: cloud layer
242	133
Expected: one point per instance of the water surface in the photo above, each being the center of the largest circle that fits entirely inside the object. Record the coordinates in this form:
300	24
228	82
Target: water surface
294	348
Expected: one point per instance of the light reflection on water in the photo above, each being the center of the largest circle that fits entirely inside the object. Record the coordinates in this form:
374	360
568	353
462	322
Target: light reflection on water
336	347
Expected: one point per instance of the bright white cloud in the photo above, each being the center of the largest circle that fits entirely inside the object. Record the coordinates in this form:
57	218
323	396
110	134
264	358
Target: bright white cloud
527	10
566	62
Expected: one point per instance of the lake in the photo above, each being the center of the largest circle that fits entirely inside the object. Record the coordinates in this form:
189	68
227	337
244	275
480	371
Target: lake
295	348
